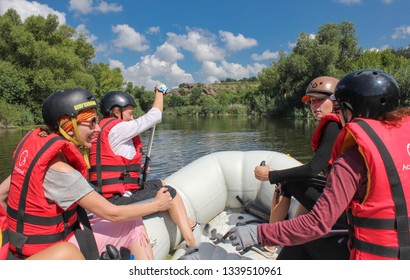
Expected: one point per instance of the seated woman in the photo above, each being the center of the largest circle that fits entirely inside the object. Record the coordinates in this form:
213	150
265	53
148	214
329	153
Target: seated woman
306	182
48	184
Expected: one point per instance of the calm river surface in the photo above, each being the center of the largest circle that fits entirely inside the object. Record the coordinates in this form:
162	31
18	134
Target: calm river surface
180	140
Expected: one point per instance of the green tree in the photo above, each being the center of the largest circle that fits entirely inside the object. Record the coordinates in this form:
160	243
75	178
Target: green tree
44	56
106	79
331	52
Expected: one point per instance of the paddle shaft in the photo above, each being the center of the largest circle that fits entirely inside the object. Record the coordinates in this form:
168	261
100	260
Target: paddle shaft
148	156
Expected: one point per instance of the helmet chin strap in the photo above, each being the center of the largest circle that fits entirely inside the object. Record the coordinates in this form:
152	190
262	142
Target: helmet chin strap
76	142
345	109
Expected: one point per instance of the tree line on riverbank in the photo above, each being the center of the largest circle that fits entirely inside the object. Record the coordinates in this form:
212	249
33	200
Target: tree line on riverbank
38	56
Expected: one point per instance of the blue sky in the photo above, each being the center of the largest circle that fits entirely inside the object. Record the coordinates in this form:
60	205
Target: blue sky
203	41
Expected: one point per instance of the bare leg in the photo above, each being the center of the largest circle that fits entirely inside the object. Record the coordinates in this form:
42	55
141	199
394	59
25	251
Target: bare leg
59	251
179	216
142	250
278	212
301	210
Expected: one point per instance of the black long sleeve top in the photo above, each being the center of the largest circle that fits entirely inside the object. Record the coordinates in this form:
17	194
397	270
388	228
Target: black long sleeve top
318	162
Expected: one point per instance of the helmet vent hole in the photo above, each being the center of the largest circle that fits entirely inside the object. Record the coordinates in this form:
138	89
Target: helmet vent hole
383	101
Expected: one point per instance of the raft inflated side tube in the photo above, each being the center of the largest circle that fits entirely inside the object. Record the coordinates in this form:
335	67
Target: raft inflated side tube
210	185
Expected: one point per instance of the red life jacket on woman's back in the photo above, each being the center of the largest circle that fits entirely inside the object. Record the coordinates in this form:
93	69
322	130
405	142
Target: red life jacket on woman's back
380	222
35	223
109	173
317	135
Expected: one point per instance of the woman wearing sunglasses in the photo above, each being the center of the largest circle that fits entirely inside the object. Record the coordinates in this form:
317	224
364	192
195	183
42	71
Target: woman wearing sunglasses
306	182
49	189
369	179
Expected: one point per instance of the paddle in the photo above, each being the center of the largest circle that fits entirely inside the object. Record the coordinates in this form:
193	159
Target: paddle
163	89
148	156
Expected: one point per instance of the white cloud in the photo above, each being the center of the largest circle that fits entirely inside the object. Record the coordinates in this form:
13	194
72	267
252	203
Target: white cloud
353	2
255	68
169	53
236	43
86	6
129	38
349	2
81	6
151	70
101	47
376	50
153	29
25	9
105	8
384	47
265	55
401	32
200	43
81	29
163	64
212	72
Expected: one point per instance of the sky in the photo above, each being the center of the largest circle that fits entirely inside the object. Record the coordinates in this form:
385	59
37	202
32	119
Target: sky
206	41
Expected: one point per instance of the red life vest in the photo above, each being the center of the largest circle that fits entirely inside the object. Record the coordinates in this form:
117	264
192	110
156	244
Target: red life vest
380	222
35	223
4	236
109	173
317	135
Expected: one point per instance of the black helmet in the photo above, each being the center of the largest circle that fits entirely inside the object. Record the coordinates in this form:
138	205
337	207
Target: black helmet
368	93
116	98
68	102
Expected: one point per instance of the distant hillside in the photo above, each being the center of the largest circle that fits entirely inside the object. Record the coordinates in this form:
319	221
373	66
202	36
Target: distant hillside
214	89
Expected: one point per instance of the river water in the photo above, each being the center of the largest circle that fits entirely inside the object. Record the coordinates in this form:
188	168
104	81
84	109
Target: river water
180	140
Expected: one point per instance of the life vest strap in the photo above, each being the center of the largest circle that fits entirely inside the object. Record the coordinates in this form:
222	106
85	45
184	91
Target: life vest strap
374	223
18	240
4	237
85	237
374	249
111	181
118	168
44	221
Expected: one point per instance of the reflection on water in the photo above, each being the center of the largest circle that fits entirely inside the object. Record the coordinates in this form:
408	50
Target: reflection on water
179	141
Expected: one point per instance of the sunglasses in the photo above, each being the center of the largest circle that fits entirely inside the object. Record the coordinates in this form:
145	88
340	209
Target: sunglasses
91	123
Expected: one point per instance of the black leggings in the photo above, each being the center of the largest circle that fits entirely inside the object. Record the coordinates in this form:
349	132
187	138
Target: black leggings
326	248
148	192
308	192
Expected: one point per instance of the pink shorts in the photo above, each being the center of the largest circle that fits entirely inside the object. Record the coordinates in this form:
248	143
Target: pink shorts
119	234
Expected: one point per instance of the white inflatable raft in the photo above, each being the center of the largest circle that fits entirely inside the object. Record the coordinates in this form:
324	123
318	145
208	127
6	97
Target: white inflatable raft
209	187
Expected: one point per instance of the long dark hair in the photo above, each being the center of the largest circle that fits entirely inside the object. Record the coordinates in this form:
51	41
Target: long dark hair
395	117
